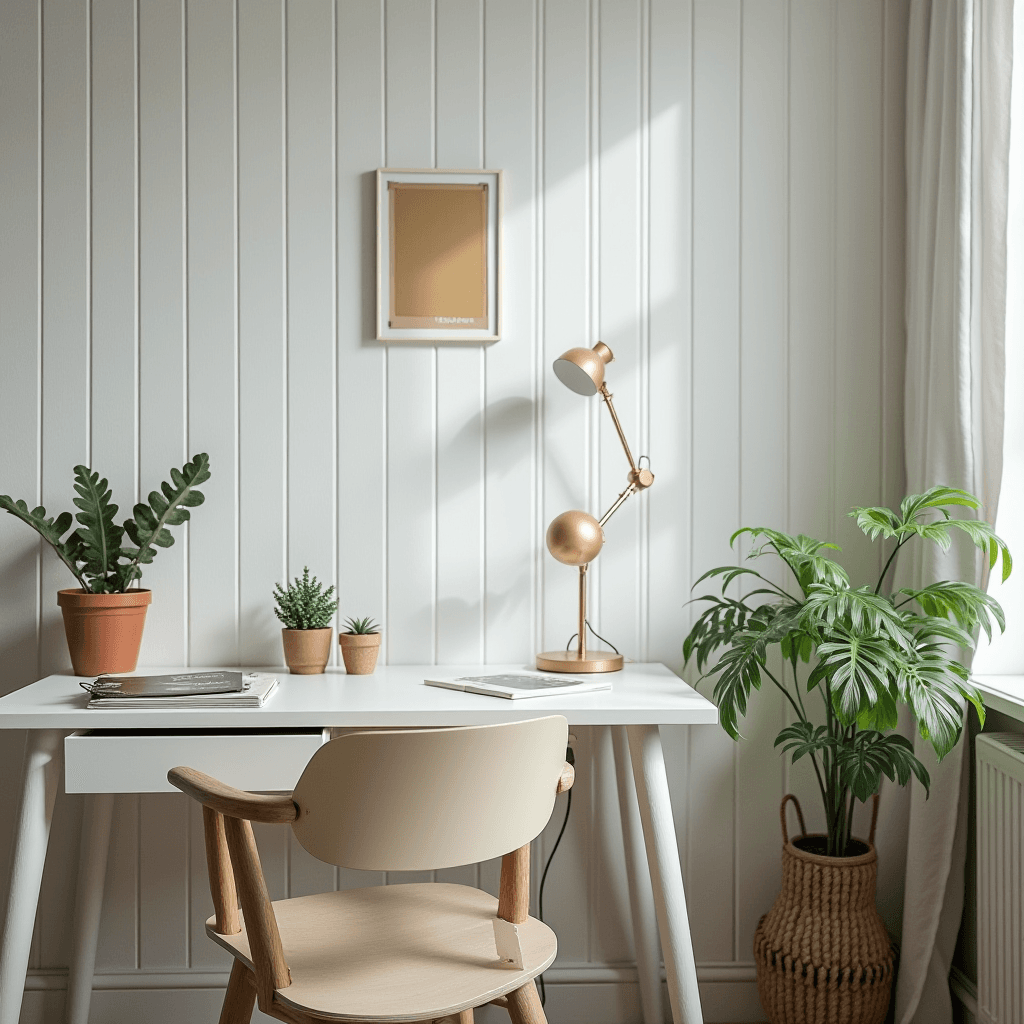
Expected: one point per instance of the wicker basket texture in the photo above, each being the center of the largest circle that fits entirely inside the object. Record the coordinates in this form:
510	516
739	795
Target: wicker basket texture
822	952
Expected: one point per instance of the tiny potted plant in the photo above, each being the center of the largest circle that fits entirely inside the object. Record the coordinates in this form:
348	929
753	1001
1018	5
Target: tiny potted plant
858	652
104	616
306	610
360	644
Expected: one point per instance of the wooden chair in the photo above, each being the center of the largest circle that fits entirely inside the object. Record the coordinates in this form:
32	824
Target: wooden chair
407	800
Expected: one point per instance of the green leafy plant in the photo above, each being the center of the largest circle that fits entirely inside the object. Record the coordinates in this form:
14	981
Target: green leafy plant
94	551
304	604
861	651
360	627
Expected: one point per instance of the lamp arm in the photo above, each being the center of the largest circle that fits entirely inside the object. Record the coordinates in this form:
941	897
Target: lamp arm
607	396
619	501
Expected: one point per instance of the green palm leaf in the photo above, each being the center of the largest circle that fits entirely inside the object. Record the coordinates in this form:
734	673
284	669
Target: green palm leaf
870	755
148	530
101	538
69	550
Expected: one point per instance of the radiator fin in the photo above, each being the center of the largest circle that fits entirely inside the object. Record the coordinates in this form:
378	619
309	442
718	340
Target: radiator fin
1000	836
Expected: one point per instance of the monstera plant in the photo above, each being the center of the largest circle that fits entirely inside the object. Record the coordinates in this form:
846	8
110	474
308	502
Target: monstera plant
856	651
845	656
103	617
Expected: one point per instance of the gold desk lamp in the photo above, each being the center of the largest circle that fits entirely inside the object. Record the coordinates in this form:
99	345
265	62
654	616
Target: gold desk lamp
575	537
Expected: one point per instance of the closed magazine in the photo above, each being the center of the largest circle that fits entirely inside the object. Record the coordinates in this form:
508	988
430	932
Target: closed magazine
182	690
517	685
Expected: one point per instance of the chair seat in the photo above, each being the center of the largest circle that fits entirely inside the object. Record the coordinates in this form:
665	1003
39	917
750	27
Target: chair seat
396	952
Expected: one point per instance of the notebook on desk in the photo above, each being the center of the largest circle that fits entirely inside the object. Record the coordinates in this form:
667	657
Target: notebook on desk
182	690
516	685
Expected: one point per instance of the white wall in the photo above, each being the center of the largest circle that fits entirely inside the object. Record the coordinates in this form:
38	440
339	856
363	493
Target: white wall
714	188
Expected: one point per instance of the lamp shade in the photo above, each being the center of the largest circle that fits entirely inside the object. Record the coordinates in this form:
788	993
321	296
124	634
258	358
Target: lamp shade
575	538
582	369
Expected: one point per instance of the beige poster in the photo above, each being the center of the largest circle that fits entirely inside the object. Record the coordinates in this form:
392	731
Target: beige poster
438	249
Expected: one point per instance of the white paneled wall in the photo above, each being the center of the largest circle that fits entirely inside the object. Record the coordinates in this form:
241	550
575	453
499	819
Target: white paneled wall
712	187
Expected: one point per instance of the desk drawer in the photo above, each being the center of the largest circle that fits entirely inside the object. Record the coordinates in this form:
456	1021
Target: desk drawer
105	761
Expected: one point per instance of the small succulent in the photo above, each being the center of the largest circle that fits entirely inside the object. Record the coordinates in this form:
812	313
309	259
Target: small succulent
304	604
361	626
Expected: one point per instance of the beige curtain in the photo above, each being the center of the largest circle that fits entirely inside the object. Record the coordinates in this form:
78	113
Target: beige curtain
959	65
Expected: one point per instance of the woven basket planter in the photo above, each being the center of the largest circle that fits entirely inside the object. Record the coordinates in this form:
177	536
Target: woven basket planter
822	952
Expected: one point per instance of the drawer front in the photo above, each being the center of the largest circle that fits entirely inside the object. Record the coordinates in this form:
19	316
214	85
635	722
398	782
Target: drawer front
139	762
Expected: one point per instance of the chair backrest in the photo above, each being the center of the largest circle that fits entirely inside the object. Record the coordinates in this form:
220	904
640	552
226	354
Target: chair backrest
420	799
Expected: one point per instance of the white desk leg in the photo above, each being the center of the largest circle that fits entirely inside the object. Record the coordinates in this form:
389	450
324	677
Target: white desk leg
638	876
92	873
40	780
666	876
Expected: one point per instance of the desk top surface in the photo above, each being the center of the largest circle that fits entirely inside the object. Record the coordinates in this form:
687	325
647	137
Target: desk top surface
395	695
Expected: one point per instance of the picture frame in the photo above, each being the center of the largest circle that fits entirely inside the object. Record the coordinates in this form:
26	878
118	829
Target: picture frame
439	256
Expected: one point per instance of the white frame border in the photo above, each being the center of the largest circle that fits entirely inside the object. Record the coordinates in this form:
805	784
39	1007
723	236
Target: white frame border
428	335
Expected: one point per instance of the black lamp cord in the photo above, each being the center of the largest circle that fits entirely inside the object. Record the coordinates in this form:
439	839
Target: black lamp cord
595	632
571	758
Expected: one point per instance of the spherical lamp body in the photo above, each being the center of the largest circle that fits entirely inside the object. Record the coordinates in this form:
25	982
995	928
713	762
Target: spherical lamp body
575	538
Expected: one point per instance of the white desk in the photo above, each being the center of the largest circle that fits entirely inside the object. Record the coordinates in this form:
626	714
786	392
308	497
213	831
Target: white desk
642	698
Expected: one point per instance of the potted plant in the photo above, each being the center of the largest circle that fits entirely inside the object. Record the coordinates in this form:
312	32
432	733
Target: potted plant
360	644
859	653
104	616
306	610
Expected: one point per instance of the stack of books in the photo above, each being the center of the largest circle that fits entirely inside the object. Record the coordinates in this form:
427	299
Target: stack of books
182	690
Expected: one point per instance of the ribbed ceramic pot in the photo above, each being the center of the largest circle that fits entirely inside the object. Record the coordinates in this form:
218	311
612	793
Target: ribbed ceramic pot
307	651
104	631
359	651
823	955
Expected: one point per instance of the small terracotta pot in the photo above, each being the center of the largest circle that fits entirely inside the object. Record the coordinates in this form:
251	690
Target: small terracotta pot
360	652
307	651
104	631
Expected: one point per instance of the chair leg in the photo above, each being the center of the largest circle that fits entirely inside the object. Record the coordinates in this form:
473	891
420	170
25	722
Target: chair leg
524	1005
240	997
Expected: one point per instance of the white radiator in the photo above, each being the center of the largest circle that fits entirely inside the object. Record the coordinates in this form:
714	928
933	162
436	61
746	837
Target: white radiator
1000	831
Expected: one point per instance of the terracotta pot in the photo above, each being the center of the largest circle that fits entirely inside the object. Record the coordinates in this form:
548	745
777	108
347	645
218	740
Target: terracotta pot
823	955
104	631
307	651
360	652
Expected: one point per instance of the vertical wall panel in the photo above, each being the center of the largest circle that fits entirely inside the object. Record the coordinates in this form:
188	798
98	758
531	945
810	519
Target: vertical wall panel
715	189
361	359
717	421
66	368
894	815
812	141
616	605
670	413
164	882
311	342
566	255
163	439
566	454
213	330
411	368
763	398
261	327
511	142
114	333
20	383
460	371
858	312
312	523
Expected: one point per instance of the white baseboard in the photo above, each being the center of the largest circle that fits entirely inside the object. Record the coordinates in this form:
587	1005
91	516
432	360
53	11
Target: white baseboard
576	994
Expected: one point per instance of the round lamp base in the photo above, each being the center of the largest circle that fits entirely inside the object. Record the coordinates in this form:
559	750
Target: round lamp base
569	661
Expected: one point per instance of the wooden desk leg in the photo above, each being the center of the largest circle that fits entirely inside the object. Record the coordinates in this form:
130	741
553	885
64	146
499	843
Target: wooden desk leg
638	877
39	784
666	876
92	874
